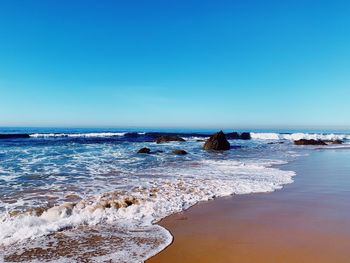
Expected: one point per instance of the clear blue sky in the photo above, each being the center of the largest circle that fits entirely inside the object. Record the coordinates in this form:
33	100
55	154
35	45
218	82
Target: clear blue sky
175	63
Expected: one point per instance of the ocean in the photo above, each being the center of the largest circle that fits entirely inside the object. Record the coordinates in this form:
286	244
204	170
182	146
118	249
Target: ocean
86	195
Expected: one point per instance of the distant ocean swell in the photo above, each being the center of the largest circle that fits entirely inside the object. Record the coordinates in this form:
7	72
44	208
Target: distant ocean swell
152	135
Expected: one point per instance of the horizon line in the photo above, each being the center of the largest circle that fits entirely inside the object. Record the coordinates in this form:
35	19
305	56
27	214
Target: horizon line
201	127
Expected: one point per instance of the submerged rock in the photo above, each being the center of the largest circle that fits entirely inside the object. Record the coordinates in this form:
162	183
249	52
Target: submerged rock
145	150
217	142
169	138
309	142
180	152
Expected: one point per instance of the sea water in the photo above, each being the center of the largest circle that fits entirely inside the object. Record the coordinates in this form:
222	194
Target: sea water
71	195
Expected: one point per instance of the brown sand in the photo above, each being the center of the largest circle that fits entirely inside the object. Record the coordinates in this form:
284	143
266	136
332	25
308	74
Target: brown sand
307	221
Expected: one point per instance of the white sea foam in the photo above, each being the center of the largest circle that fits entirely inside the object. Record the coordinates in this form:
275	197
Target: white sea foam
298	136
76	135
170	190
196	138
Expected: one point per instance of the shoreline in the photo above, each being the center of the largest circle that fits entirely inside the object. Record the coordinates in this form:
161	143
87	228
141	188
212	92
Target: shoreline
168	184
179	215
295	224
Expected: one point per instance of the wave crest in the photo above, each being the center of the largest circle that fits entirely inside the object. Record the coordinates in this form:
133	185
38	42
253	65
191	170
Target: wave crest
299	136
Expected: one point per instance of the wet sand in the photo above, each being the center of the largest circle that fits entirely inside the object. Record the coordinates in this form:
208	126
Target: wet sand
307	221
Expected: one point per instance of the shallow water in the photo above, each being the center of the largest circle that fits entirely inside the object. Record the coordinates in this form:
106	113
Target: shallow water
61	187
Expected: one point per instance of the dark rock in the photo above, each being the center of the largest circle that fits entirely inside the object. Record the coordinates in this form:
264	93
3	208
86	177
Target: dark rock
14	136
309	142
180	152
217	142
145	150
169	138
245	136
237	136
233	136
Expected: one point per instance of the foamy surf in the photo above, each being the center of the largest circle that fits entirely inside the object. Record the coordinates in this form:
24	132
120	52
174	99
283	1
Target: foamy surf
78	135
131	212
299	136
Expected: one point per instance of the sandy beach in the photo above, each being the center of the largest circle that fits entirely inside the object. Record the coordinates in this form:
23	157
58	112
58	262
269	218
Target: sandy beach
307	221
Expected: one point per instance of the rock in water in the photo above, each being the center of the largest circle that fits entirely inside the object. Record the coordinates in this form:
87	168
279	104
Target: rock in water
169	138
145	150
233	136
309	142
237	136
217	142
245	136
180	152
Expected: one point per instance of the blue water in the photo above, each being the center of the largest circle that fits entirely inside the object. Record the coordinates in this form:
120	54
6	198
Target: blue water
63	159
82	166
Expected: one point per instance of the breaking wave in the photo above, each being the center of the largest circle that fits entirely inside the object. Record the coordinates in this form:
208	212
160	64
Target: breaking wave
298	136
76	135
134	210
